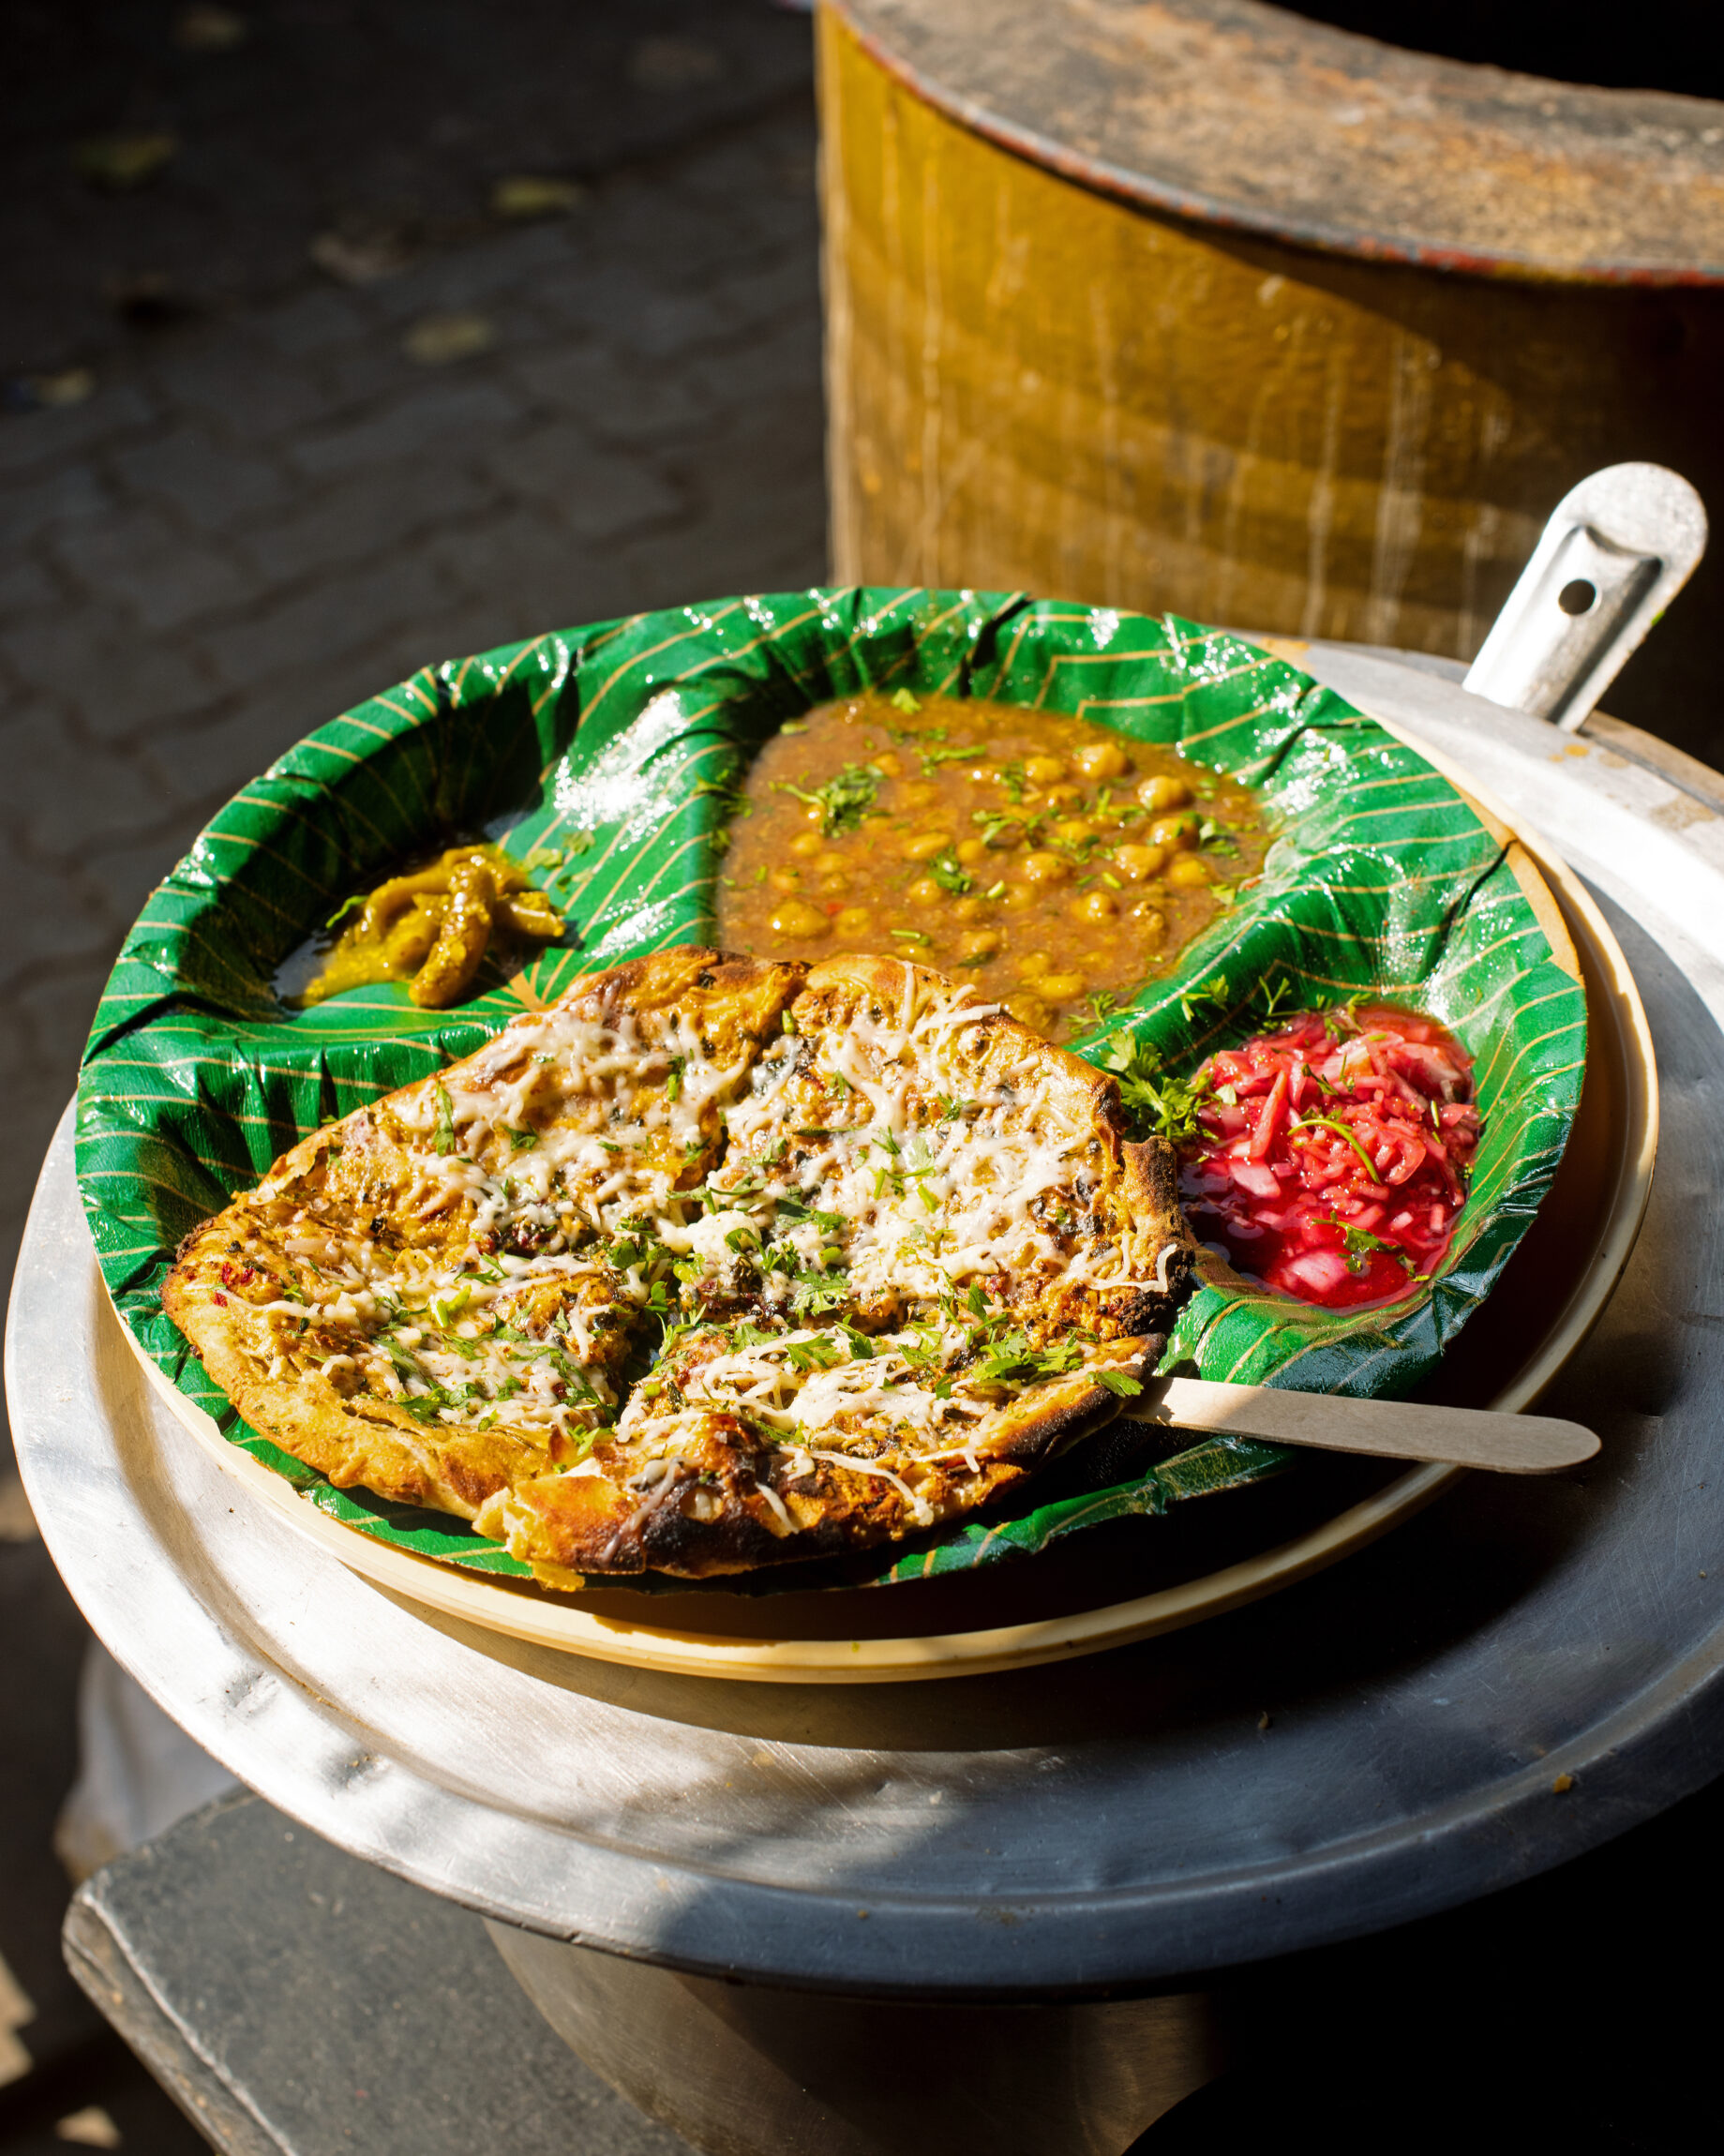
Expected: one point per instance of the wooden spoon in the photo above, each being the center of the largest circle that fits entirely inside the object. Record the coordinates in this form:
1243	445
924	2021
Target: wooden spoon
1389	1428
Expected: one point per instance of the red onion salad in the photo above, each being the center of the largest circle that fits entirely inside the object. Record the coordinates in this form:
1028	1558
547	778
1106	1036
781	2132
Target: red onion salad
1330	1158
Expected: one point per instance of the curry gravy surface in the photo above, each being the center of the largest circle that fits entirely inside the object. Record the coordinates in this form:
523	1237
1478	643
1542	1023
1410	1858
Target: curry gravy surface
1050	860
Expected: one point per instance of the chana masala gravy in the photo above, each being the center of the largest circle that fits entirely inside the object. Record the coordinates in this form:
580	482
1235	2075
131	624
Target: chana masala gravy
1053	862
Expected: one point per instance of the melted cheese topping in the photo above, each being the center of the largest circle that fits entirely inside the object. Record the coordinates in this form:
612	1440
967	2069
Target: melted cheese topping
933	1182
558	1159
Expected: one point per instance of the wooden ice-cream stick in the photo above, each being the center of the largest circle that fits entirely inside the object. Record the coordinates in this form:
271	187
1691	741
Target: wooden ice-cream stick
1389	1428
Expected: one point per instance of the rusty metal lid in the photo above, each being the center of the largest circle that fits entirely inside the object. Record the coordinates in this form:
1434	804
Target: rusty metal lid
1234	113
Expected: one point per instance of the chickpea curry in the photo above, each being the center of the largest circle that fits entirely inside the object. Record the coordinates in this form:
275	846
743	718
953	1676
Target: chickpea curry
1053	862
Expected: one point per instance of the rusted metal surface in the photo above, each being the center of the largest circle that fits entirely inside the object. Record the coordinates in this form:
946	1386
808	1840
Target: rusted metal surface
1036	382
1246	116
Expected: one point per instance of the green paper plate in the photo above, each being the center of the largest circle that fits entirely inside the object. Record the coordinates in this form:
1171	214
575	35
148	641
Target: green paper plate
599	756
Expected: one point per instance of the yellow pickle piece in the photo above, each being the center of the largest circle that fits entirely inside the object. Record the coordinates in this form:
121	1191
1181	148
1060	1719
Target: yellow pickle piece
433	926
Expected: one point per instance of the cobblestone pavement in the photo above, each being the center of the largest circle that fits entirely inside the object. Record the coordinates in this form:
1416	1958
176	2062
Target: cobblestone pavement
284	490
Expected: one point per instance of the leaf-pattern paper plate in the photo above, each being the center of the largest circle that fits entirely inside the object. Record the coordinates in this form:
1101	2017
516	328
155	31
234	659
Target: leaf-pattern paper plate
599	756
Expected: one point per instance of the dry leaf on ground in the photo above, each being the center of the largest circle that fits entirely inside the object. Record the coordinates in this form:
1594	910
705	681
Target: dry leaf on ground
522	195
123	161
436	339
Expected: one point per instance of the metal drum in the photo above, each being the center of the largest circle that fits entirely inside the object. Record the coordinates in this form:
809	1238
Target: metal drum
1032	1870
1194	304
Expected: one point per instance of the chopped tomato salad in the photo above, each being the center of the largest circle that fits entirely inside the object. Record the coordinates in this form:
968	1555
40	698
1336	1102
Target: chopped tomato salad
1331	1158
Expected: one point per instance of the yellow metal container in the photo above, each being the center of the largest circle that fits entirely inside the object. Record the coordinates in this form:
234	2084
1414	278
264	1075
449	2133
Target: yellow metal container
1133	305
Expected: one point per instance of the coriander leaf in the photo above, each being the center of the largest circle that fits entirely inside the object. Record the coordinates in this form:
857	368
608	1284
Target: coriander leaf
1215	991
445	1139
1341	1131
947	871
1118	1381
1360	1242
842	800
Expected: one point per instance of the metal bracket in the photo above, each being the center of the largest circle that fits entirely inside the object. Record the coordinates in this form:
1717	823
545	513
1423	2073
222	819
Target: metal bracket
1616	551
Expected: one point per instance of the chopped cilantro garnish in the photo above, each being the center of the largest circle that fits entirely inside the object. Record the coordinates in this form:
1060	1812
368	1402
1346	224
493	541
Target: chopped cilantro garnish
445	1139
1359	1243
1156	1105
842	800
1341	1131
1215	991
1118	1381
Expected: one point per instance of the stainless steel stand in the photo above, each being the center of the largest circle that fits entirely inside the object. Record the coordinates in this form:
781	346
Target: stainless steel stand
1513	1679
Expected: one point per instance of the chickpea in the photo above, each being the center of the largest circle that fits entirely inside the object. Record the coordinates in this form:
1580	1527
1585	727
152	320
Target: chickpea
971	908
1017	897
972	850
784	880
888	765
806	843
1029	1012
1059	987
1095	905
1138	863
1046	868
1151	925
919	795
980	943
1074	832
855	921
798	921
1064	797
1031	963
830	863
1100	760
924	845
926	892
1176	830
1164	792
1188	872
1043	771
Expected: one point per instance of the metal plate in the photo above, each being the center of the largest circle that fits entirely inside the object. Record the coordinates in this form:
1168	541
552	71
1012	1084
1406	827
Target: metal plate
1027	1614
1252	117
1119	1822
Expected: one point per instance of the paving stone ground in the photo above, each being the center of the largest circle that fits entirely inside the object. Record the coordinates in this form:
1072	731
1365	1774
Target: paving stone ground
269	508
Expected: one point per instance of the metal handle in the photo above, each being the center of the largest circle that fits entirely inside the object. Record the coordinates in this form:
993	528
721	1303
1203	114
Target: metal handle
1619	547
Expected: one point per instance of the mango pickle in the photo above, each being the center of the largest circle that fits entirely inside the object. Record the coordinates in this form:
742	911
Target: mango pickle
433	926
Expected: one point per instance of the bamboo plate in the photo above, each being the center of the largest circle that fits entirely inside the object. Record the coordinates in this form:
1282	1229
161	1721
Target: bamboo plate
1547	1301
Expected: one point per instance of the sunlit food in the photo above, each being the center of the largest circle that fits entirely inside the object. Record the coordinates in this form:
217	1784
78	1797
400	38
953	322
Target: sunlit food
1330	1158
1055	863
